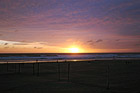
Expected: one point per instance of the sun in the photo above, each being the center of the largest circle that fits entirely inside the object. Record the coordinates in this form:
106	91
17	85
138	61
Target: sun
74	50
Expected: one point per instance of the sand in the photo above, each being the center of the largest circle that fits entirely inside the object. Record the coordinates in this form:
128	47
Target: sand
84	77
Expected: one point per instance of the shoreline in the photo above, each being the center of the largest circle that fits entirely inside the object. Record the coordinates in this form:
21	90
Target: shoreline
66	60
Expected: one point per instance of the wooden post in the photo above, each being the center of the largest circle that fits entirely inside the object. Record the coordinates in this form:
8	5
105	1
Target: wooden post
68	72
38	69
58	71
33	68
7	67
15	67
19	68
22	65
108	82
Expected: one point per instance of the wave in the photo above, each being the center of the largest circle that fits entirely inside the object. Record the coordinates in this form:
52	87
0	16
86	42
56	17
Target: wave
68	56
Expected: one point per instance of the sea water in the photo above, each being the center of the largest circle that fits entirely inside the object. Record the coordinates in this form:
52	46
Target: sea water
54	57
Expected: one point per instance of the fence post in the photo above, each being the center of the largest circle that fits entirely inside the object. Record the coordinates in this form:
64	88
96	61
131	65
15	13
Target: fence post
19	68
68	72
37	67
33	68
7	67
108	82
15	67
58	71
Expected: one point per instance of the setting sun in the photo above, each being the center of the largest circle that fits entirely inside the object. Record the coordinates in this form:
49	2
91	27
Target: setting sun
74	50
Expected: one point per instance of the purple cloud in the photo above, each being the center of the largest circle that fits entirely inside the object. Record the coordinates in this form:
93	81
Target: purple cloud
54	21
99	40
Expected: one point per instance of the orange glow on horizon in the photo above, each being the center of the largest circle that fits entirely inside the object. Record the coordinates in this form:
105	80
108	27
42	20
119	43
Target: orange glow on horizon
38	47
74	50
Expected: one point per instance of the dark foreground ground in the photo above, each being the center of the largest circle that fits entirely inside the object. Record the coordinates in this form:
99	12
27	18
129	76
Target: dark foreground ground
84	77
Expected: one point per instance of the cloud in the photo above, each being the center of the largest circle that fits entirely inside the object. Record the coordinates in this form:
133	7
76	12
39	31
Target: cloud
43	43
16	31
90	41
20	44
37	21
38	47
129	30
137	45
6	47
93	43
99	40
5	43
117	39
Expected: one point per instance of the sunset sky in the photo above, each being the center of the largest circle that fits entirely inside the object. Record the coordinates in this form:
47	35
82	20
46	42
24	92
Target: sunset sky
56	26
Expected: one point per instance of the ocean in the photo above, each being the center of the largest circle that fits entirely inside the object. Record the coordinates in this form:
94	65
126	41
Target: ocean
62	57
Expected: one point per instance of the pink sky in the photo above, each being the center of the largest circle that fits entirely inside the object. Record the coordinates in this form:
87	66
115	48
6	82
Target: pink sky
57	25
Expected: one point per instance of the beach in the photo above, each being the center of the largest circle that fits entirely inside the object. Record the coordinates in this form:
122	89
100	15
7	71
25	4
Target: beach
98	76
69	46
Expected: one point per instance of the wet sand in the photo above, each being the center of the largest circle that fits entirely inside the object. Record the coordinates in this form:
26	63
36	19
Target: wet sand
105	76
